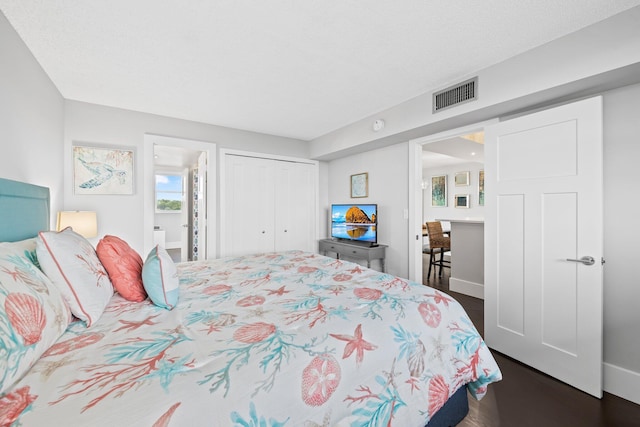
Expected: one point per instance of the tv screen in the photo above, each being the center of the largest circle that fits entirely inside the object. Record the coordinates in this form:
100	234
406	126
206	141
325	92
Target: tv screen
356	222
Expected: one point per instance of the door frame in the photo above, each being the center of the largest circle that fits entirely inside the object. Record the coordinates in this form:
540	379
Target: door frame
416	192
148	188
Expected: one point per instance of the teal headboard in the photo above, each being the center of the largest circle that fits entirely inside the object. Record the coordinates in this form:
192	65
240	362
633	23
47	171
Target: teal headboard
24	210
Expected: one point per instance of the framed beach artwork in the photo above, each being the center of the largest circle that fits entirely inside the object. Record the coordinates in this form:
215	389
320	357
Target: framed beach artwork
439	191
98	170
360	185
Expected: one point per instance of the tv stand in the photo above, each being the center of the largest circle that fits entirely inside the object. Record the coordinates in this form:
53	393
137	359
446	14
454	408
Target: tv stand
353	250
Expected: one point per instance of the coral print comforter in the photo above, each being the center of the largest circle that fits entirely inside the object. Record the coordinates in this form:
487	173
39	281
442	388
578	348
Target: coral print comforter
281	339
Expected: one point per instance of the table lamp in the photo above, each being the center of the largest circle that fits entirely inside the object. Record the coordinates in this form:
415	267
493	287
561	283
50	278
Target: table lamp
85	223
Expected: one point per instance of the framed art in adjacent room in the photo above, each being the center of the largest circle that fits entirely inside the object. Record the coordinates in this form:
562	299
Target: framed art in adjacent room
481	188
462	201
100	170
439	191
462	179
360	185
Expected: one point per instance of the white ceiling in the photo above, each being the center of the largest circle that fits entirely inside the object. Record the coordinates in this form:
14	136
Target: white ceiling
451	151
296	68
174	157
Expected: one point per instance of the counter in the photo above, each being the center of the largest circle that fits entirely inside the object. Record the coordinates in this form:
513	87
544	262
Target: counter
467	257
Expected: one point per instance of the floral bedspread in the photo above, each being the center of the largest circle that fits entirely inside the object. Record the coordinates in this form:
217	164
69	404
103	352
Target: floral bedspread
281	339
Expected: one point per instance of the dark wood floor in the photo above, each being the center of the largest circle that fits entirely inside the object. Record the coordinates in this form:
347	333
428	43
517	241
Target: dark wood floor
526	397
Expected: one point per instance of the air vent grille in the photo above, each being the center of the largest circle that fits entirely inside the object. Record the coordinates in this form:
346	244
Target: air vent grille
456	95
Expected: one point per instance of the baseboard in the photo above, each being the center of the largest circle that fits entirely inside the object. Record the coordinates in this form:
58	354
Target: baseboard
621	382
465	287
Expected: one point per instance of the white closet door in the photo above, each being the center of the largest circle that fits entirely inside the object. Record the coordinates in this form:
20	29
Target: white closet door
249	206
295	206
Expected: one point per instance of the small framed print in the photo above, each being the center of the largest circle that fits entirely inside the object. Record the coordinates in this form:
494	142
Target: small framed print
462	201
439	191
360	185
462	179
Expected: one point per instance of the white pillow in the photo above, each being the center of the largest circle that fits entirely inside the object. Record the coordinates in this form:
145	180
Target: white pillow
71	263
33	314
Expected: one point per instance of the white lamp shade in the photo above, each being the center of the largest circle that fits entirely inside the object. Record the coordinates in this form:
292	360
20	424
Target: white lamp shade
85	223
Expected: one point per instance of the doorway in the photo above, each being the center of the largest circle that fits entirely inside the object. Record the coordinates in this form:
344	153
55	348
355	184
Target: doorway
179	202
452	193
448	149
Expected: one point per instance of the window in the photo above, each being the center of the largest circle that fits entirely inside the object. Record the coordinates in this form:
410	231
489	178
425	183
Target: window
169	192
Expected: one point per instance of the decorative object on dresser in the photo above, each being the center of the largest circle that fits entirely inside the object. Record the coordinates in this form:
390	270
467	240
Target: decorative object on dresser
98	170
439	191
360	185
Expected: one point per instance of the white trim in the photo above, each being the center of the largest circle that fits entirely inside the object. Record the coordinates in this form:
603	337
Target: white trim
476	127
226	151
621	382
465	287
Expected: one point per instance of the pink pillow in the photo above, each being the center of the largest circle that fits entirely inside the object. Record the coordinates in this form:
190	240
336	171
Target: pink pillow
124	266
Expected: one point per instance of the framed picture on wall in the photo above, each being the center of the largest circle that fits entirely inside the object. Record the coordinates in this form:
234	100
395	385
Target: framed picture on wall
439	191
360	185
481	188
462	179
462	201
99	170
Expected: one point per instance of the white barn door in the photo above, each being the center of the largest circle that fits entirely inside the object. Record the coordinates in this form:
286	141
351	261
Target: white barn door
544	219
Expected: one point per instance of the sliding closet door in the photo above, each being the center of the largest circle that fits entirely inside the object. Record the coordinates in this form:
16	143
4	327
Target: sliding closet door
248	206
267	205
295	206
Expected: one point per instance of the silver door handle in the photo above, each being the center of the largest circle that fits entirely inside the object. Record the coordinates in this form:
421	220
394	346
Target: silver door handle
586	260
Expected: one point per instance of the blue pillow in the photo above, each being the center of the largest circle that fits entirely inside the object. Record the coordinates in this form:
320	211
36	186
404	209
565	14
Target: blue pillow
160	278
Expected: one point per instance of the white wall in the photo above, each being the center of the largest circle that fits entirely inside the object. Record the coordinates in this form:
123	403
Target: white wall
475	212
31	119
387	188
622	230
171	223
123	215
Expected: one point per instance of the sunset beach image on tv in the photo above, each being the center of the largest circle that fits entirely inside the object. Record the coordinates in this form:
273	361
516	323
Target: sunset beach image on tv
354	222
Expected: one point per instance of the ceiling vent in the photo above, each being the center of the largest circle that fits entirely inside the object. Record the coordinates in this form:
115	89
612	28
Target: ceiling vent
456	95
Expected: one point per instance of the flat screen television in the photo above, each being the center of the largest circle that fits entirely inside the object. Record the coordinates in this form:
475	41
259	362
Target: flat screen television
355	222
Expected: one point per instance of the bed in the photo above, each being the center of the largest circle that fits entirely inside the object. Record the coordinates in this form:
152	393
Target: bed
276	339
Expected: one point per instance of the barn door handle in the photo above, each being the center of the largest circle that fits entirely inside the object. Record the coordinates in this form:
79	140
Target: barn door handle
586	260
